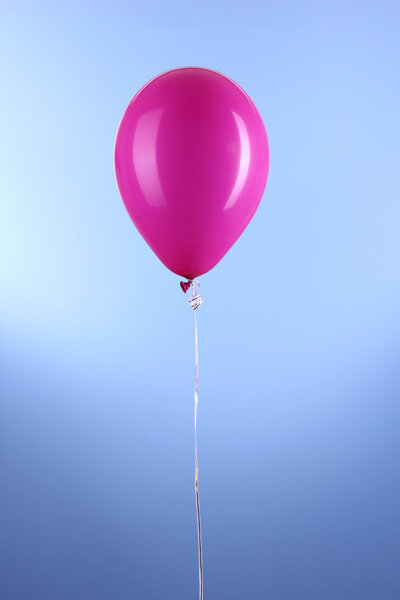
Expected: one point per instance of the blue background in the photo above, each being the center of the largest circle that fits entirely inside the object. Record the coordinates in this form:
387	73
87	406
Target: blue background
299	333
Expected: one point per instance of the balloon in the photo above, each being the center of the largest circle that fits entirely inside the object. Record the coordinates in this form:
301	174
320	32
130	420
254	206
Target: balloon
191	162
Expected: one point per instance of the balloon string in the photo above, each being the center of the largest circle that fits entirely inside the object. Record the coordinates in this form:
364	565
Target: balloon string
195	302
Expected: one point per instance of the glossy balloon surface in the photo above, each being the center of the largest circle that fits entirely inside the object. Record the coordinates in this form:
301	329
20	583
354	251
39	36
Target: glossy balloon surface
191	161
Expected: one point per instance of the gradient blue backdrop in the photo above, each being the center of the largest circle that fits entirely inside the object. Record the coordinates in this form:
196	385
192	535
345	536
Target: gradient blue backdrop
299	333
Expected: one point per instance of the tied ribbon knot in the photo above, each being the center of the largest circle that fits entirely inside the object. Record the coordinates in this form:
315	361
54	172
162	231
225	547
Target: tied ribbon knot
196	299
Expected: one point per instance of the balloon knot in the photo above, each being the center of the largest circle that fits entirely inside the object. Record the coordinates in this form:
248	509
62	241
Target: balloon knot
185	285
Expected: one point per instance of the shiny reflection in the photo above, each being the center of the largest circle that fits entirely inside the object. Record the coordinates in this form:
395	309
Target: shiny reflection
244	161
145	158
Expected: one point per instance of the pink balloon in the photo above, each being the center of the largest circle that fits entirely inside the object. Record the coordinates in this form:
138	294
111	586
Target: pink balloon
191	161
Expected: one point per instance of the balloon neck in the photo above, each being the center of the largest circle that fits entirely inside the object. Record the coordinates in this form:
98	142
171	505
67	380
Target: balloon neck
185	285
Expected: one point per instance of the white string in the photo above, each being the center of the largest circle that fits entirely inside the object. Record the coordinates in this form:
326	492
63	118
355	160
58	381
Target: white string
195	302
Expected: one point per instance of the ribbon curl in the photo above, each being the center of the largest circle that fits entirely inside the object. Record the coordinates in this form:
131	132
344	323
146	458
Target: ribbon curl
196	299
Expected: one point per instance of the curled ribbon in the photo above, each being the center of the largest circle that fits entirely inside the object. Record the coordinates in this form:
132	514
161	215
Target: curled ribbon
196	299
